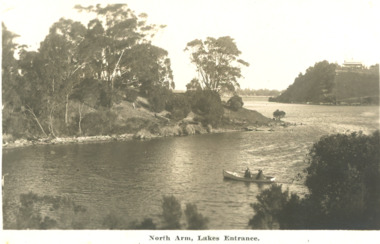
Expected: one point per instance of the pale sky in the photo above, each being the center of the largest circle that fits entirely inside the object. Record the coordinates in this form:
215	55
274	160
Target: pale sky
278	38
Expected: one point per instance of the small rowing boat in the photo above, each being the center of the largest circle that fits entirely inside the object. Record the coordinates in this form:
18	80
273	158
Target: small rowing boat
240	176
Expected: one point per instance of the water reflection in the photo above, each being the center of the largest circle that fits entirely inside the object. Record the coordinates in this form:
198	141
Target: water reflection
130	178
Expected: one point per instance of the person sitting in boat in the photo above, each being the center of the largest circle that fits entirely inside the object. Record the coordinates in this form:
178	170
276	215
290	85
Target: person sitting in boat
260	175
247	173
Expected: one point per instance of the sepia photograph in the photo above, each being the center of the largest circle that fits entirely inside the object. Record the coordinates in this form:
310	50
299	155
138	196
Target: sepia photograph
164	121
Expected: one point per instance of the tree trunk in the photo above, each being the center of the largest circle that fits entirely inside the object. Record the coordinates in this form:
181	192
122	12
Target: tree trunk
67	110
36	119
51	122
80	118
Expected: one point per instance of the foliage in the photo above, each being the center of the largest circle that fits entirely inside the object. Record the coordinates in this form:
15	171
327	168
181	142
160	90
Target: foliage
363	86
208	104
328	83
313	86
270	202
343	180
131	95
113	222
217	63
193	85
179	106
17	124
145	224
278	114
101	122
118	51
235	103
89	91
195	220
48	212
171	213
148	66
158	97
95	65
9	69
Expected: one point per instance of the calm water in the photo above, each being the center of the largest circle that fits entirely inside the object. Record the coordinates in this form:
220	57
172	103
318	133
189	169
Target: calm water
129	178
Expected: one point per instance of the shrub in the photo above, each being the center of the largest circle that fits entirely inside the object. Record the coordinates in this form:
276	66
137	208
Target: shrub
158	97
101	122
235	103
146	224
171	213
270	203
343	180
131	95
195	220
278	114
113	222
179	106
208	104
19	124
47	212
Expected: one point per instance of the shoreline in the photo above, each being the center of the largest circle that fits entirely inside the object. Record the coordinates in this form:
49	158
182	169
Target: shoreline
21	143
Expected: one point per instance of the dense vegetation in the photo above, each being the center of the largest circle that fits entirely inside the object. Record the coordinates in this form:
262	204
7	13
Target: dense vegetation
313	86
343	179
329	83
81	76
358	88
36	212
78	68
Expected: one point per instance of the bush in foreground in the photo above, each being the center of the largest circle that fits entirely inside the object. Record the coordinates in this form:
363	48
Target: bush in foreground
43	212
172	212
344	181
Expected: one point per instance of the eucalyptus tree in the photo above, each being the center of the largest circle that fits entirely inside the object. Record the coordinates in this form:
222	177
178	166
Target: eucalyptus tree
32	84
146	66
49	75
217	62
8	68
110	41
13	120
64	67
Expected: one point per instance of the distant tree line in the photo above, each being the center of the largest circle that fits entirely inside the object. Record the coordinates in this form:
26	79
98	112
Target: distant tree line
331	84
259	92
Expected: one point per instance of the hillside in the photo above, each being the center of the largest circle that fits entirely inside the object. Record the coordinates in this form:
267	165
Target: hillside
127	120
356	88
327	83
